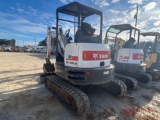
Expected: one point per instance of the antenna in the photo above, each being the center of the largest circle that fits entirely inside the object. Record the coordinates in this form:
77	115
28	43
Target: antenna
136	16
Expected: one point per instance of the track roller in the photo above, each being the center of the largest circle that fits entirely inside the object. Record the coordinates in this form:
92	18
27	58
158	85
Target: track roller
130	82
73	96
144	77
116	87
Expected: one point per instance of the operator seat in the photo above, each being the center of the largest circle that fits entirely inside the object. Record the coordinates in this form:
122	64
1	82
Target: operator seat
129	43
85	34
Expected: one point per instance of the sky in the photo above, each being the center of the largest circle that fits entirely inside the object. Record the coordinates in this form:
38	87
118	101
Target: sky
27	20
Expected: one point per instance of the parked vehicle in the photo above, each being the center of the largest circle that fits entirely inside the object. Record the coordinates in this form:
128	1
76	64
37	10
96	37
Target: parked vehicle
8	49
17	49
27	50
38	50
33	50
41	49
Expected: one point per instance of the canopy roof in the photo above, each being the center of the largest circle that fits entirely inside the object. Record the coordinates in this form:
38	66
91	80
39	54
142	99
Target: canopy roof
150	34
74	8
119	28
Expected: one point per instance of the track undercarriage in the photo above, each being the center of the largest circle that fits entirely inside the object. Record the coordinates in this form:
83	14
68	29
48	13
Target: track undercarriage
143	77
155	74
130	82
131	79
74	96
116	87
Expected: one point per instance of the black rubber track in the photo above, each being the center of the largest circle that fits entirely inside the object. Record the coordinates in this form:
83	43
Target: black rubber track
116	87
42	77
130	82
144	77
73	96
155	75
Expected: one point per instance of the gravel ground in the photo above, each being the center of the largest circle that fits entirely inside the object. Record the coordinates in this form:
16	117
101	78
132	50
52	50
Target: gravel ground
22	97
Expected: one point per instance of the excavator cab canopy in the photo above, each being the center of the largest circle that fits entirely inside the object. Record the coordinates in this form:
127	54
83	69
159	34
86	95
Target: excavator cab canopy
152	46
78	20
115	30
76	9
150	34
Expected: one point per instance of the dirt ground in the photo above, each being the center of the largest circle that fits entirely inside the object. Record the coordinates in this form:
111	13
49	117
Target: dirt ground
22	97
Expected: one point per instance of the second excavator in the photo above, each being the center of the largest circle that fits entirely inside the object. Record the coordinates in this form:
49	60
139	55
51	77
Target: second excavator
127	56
152	54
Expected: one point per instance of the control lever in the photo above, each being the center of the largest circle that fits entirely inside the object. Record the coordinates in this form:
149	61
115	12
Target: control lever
67	34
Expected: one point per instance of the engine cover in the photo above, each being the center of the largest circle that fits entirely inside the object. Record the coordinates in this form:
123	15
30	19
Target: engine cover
87	55
133	56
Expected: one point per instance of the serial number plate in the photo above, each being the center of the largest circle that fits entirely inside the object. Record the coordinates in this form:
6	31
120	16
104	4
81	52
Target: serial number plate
105	72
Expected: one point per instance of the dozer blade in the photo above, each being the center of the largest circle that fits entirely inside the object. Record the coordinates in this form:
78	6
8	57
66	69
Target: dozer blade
48	68
130	82
74	97
116	87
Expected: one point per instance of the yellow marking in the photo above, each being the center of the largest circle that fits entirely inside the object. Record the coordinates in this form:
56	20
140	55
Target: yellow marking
153	58
148	64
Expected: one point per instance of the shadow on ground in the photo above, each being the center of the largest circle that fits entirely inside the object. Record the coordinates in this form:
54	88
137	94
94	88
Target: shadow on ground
33	101
13	71
106	106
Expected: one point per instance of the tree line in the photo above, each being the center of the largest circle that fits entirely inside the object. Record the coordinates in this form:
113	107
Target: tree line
43	42
8	42
12	42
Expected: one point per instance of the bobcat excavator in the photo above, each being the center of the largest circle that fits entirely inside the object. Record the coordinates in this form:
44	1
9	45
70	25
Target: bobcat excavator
127	57
81	62
152	54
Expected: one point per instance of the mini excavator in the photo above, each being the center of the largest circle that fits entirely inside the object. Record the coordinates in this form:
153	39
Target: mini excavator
81	61
127	57
152	54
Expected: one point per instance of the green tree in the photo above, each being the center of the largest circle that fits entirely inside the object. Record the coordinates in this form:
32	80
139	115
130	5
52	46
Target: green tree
8	42
43	42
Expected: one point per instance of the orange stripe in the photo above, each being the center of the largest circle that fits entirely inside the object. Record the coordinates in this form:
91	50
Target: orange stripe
74	58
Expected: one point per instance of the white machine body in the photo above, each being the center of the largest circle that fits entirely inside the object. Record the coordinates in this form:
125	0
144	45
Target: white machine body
81	55
133	56
87	55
